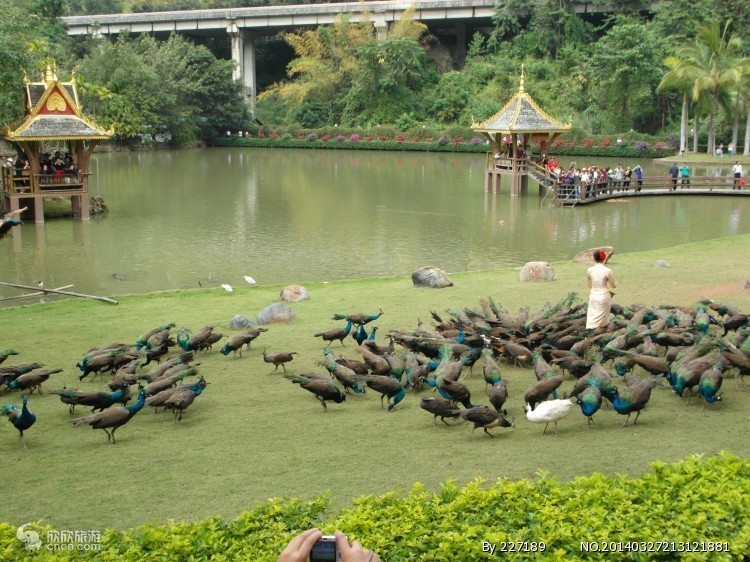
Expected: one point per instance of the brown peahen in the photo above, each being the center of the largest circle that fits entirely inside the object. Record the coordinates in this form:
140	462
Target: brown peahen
321	386
484	417
279	358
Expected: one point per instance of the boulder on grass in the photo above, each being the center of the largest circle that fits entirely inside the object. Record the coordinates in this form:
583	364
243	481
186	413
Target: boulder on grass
661	263
432	277
537	271
587	256
294	293
239	322
276	313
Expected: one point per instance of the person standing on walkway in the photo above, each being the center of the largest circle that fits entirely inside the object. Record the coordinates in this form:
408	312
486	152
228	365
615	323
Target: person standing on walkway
638	172
674	173
601	280
737	171
626	181
685	175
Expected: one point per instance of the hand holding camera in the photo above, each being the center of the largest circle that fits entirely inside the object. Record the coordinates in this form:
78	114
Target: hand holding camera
312	545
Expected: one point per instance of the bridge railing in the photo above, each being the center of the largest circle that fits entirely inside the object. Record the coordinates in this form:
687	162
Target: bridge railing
568	192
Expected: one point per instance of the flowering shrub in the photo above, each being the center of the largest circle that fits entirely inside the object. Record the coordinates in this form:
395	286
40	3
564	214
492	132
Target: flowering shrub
341	138
325	137
476	140
312	137
300	137
587	143
369	138
661	145
354	138
273	136
261	135
606	142
557	143
458	140
640	145
571	143
443	140
385	138
400	138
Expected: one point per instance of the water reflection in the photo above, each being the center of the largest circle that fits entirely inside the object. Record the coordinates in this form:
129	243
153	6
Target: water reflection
290	216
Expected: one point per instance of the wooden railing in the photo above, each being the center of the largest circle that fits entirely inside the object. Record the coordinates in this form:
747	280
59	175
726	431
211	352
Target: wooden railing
27	182
604	190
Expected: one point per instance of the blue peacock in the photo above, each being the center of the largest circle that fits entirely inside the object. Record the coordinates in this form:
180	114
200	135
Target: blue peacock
21	419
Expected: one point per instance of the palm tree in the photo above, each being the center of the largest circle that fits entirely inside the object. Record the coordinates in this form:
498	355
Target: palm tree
676	80
712	65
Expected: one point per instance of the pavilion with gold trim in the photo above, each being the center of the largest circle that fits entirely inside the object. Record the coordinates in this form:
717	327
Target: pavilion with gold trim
53	120
510	132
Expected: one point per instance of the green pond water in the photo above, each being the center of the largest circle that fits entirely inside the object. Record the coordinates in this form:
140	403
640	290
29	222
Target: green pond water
184	218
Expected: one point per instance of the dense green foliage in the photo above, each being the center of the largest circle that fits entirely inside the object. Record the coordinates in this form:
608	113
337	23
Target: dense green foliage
448	145
172	86
603	71
698	504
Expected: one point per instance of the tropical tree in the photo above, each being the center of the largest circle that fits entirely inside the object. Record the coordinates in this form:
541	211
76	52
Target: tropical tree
713	66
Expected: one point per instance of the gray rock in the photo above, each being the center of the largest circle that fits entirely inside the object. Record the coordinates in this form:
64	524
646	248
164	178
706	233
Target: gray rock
276	312
537	271
432	277
294	293
661	263
747	284
240	321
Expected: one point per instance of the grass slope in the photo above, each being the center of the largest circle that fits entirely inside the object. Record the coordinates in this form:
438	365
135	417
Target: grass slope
254	435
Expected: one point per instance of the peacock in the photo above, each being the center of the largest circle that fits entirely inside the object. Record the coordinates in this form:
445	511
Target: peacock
542	389
179	401
498	394
194	342
279	358
590	400
4	354
112	417
386	386
710	383
12	372
321	386
335	334
21	419
343	374
360	335
491	370
484	417
359	319
634	397
235	343
7	222
97	400
548	412
439	407
142	341
32	380
171	377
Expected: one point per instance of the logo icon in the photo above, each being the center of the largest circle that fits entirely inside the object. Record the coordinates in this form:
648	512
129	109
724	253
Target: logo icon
29	538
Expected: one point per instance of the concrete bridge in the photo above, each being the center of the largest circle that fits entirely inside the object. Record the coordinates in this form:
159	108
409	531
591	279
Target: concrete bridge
245	25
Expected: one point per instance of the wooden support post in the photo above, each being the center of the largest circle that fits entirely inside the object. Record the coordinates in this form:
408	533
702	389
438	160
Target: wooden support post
83	203
497	180
487	180
38	210
514	184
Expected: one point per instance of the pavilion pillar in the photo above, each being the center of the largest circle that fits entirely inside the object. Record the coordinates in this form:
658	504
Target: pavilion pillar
38	210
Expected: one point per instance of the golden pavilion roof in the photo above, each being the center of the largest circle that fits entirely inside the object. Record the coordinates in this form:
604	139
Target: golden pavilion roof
53	112
521	115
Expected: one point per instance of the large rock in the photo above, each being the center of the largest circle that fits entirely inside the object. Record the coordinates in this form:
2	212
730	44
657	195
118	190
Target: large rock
432	277
294	293
537	271
238	322
587	256
275	313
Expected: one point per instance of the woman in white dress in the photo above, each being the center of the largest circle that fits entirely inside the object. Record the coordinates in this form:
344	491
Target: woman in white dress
601	280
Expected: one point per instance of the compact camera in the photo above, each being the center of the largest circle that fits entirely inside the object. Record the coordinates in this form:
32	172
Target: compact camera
325	550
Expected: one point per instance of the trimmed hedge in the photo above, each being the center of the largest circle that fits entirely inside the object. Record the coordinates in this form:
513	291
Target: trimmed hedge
609	151
696	504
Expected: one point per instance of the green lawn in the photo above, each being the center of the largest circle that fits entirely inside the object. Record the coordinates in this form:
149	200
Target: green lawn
254	435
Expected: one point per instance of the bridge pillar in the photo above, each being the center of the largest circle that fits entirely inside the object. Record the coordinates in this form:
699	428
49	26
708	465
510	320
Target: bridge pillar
381	27
243	56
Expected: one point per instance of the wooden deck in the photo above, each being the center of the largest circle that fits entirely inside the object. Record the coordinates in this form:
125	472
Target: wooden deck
37	187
